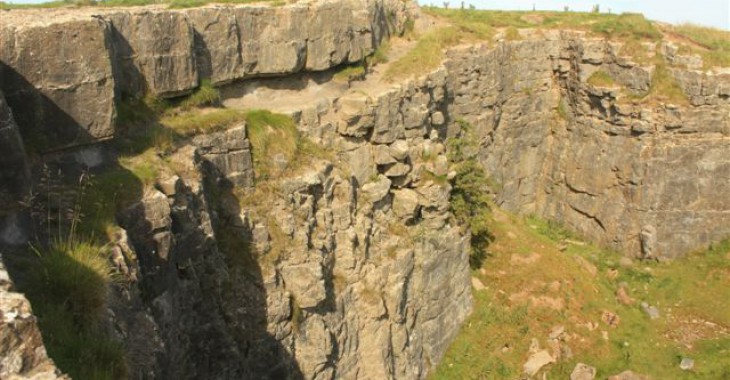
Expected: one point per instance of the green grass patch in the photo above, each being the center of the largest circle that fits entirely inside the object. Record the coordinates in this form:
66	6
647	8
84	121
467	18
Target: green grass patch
601	79
380	55
689	293
350	73
664	88
714	44
204	96
483	22
425	56
626	26
67	283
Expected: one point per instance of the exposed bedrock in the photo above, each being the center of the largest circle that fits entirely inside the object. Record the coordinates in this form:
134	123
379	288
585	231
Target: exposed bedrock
646	179
62	72
352	266
349	268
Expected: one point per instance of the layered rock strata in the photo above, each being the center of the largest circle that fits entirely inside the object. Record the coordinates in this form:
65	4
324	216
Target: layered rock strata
345	268
646	178
351	266
63	72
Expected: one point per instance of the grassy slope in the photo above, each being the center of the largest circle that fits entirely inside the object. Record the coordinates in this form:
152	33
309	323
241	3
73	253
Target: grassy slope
691	295
480	25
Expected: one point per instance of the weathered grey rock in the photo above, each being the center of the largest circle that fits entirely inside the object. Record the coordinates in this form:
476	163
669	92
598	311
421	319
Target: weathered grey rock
603	178
217	44
583	372
651	311
687	364
377	190
154	52
306	283
227	155
397	170
536	361
58	80
405	204
68	97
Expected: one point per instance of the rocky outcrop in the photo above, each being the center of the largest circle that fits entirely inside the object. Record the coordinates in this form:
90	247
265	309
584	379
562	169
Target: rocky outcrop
342	269
22	354
93	58
351	266
609	168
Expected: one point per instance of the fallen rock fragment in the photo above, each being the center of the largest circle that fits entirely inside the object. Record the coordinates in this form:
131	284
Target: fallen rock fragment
536	362
583	372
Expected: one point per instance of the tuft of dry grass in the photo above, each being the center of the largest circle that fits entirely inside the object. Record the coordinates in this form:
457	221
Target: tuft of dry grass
715	43
601	79
426	55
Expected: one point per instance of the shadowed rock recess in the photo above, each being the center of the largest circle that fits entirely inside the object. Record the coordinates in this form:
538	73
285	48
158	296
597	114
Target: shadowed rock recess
353	265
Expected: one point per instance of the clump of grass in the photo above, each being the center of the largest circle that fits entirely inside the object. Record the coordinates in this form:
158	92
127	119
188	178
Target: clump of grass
274	137
67	284
636	50
350	73
426	55
204	96
512	34
469	194
189	123
664	88
76	274
270	134
627	26
380	55
601	79
715	44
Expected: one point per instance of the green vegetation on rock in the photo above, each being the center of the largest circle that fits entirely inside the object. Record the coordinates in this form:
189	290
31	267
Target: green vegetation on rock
601	79
713	45
543	280
470	193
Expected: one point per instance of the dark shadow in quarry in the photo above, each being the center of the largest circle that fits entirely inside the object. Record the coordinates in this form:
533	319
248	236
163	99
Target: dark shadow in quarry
194	313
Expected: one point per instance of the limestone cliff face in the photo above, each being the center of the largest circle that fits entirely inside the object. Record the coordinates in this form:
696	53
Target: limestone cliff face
648	180
352	265
91	58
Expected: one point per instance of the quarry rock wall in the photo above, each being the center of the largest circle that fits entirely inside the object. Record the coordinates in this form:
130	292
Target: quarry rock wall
645	178
64	72
352	266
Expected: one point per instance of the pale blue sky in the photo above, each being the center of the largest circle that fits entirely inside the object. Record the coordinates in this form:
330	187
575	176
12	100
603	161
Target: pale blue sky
704	12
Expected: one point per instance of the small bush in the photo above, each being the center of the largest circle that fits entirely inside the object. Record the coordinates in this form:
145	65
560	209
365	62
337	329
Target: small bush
470	193
68	288
204	96
512	34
